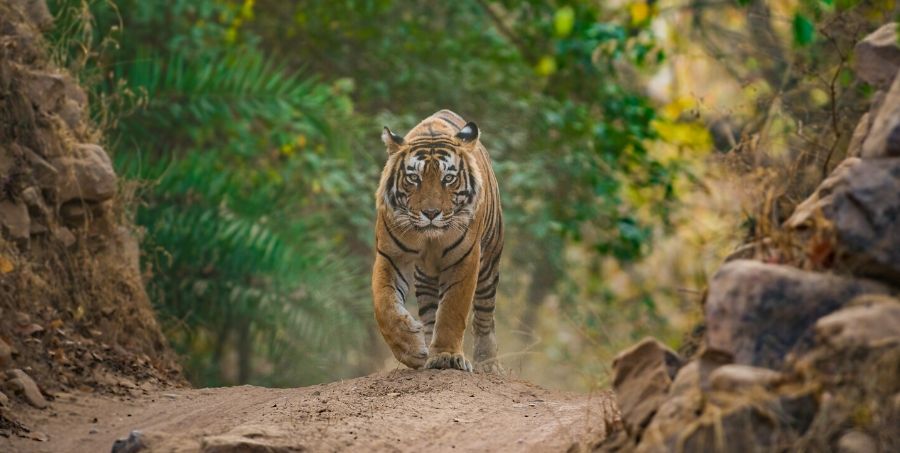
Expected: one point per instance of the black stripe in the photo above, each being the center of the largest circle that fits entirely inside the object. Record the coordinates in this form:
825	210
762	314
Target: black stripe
447	289
483	309
493	283
396	269
455	244
424	308
488	295
425	277
447	120
461	258
485	273
394	238
427	293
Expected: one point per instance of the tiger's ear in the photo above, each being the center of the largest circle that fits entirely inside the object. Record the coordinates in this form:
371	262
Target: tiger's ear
391	140
469	133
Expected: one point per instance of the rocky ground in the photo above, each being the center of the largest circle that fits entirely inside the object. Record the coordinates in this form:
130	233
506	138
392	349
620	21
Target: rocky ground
398	411
800	345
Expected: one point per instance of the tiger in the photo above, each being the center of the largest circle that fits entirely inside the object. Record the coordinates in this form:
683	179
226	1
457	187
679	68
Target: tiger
438	231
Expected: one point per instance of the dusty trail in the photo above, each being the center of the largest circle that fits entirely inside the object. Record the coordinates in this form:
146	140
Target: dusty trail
398	411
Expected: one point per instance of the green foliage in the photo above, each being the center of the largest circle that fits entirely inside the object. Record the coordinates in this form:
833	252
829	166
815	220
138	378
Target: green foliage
257	181
231	149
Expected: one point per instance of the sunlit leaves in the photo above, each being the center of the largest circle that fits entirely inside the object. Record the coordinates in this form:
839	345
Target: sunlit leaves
563	21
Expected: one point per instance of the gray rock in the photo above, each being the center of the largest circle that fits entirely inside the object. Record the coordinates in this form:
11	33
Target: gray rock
871	320
85	174
859	202
21	384
877	56
15	219
883	137
759	312
134	443
641	380
4	400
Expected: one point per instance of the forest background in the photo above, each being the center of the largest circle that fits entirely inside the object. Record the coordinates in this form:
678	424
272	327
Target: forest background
637	143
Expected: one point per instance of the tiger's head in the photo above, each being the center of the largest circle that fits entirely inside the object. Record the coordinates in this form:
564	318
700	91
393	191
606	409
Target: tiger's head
431	182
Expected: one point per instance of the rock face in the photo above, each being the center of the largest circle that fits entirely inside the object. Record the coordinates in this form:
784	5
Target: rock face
759	312
878	56
63	263
859	200
643	374
883	137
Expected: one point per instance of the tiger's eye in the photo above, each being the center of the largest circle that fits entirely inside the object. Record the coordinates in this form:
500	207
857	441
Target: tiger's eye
412	178
448	179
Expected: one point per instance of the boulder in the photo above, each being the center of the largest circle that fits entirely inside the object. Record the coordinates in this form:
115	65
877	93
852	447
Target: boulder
21	384
680	409
759	312
877	56
751	422
642	375
14	219
859	203
883	137
739	378
871	320
85	174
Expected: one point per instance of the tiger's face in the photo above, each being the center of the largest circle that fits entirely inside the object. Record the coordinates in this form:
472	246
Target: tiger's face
433	185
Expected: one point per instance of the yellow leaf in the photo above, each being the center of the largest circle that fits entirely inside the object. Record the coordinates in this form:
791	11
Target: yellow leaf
6	266
690	134
819	97
563	21
640	11
546	66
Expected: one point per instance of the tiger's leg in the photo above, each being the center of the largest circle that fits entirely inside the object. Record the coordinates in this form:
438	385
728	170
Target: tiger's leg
390	285
456	291
483	323
427	289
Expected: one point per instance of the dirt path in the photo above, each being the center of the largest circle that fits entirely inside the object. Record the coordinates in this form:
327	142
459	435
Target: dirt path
401	410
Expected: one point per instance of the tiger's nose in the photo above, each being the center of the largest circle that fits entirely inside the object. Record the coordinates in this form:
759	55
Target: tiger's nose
431	213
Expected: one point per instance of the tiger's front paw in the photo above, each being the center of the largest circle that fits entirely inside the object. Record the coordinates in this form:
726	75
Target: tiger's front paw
448	361
407	342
